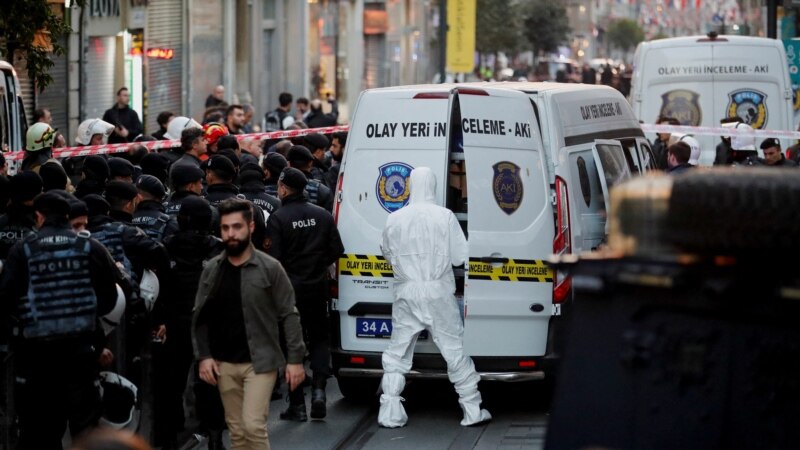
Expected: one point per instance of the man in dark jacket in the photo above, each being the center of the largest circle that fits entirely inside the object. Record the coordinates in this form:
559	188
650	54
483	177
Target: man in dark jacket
20	219
300	158
150	213
194	145
125	120
190	248
338	142
678	155
316	118
662	141
65	338
251	180
244	298
304	238
272	164
188	182
163	120
773	157
220	173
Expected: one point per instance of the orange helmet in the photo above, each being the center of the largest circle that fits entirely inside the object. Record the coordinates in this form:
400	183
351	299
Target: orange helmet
213	131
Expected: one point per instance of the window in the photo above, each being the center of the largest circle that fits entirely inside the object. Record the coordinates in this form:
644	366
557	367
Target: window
614	164
586	186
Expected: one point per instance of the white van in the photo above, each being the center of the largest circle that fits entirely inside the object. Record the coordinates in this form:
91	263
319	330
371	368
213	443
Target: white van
702	79
526	167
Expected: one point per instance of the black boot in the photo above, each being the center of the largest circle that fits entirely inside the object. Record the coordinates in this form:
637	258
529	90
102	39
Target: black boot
297	406
319	407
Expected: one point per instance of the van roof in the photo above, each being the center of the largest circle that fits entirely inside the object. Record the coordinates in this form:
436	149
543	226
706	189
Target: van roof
705	40
523	86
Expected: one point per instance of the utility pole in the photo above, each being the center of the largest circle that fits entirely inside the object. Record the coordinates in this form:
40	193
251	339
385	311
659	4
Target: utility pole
772	19
442	41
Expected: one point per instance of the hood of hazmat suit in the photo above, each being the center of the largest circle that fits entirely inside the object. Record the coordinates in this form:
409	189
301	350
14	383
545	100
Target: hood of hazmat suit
423	241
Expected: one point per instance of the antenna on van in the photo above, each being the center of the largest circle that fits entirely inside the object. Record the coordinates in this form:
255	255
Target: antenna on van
712	35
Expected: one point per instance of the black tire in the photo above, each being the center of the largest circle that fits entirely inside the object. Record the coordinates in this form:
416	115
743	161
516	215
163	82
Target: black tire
744	210
359	390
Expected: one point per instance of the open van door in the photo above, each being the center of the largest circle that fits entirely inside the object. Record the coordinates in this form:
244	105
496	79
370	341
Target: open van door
509	221
609	158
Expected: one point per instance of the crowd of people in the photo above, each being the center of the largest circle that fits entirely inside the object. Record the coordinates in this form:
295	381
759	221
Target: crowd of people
677	152
190	255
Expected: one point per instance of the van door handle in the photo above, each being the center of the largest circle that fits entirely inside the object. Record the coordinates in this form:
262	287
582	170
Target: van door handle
491	259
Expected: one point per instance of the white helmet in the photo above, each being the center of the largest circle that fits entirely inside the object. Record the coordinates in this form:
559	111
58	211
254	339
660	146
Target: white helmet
177	125
90	127
742	142
120	398
689	140
111	320
149	288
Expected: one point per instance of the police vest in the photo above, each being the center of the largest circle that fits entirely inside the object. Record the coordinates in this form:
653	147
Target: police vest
110	235
313	192
61	301
271	189
10	235
152	225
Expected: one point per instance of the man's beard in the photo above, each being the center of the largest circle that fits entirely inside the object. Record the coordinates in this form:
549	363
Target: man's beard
235	247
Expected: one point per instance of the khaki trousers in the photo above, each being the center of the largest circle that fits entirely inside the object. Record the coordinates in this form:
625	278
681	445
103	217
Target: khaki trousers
245	396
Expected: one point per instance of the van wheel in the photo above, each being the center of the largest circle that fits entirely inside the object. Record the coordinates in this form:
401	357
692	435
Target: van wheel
741	210
359	390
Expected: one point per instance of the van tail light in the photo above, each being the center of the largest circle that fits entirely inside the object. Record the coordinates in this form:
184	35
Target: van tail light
337	200
333	283
562	283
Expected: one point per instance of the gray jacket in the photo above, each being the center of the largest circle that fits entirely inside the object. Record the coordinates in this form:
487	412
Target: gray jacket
267	300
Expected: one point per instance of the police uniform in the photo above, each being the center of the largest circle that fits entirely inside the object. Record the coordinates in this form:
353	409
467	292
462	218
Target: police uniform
253	189
57	340
181	177
20	219
305	240
274	163
318	193
189	248
150	215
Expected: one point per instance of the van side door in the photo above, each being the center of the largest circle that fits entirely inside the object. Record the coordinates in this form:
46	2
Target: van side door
509	221
613	169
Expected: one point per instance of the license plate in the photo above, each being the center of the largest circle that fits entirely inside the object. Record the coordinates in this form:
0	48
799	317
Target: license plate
367	327
373	328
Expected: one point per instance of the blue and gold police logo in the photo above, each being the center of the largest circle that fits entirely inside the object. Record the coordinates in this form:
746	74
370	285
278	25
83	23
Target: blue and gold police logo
750	105
392	187
683	105
507	186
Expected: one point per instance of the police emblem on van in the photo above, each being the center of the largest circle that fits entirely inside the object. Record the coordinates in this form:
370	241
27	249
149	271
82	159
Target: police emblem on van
392	186
750	105
683	105
507	186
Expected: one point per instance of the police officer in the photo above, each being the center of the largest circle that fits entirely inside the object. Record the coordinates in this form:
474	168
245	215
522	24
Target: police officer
188	182
121	169
94	173
150	213
272	164
56	352
318	145
189	248
301	158
20	219
220	173
251	180
305	240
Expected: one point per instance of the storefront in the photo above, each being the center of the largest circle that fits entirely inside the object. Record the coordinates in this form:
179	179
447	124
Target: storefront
164	60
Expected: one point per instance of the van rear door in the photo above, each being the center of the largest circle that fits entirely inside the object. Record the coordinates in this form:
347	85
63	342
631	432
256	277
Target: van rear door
509	220
749	82
609	158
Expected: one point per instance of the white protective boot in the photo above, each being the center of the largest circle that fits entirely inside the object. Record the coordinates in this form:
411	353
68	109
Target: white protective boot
471	406
391	413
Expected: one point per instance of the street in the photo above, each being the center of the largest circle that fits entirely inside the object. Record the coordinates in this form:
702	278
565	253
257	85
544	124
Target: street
519	421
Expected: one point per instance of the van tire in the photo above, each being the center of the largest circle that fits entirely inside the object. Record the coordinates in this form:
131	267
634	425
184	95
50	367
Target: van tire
743	210
359	390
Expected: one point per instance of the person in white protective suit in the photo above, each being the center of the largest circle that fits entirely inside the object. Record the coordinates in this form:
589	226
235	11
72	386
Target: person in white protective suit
422	241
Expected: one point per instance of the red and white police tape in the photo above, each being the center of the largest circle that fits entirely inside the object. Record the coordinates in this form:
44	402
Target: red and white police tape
719	131
106	149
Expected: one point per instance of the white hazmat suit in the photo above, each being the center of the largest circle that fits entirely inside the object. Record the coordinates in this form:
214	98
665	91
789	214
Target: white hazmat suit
423	241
